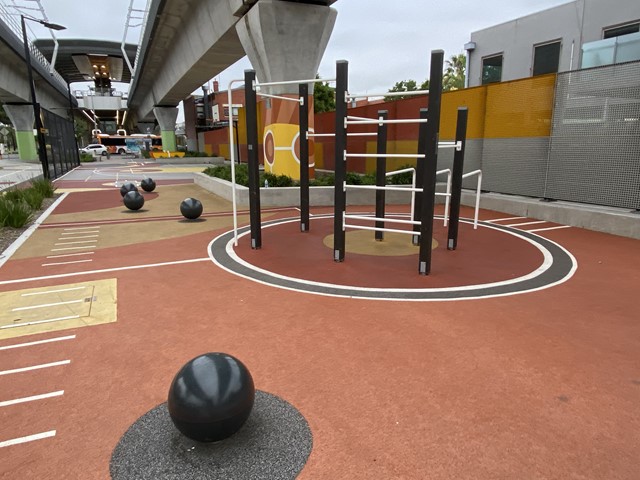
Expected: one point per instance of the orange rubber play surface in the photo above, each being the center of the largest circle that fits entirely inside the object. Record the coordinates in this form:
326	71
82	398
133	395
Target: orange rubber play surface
542	384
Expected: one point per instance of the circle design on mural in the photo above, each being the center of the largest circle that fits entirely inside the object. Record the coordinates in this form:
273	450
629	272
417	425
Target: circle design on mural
269	148
557	267
295	147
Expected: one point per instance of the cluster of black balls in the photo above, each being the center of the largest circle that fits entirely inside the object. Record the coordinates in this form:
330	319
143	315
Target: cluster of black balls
190	208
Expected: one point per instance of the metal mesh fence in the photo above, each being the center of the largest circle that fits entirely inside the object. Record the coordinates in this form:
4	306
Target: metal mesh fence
62	151
594	154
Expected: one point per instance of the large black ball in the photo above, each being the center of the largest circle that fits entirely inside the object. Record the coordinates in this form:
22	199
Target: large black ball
148	185
128	187
211	397
133	200
191	208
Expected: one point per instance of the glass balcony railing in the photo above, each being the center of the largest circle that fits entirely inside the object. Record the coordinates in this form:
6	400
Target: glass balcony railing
625	48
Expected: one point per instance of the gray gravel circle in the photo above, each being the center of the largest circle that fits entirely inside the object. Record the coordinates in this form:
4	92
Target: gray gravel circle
273	444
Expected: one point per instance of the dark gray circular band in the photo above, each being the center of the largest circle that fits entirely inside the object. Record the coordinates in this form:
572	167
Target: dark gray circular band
274	443
561	268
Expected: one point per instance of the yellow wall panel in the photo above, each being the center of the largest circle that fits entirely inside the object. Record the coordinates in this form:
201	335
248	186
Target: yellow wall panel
521	108
472	98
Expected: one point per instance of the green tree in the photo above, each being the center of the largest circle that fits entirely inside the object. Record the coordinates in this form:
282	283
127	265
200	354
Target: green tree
454	73
406	86
324	97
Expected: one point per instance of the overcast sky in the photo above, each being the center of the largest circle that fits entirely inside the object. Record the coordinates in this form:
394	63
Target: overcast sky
385	41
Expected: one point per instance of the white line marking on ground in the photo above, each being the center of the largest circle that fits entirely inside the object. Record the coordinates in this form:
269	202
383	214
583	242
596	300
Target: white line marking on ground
29	438
46	305
550	228
74	243
526	223
70	289
82	228
76	233
29	231
77	238
37	322
65	263
32	398
503	219
36	367
104	270
70	254
71	248
38	342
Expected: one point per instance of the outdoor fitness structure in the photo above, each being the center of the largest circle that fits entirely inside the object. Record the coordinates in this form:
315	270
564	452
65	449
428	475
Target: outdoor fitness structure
424	188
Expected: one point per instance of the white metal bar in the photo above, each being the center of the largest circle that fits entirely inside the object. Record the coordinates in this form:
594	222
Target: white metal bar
384	219
456	145
28	438
268	95
478	189
363	134
352	117
382	122
354	96
232	154
309	135
413	184
377	229
384	155
396	188
294	82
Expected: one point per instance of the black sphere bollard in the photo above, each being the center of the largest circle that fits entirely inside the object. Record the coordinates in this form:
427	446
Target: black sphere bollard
128	187
191	208
211	397
133	200
148	185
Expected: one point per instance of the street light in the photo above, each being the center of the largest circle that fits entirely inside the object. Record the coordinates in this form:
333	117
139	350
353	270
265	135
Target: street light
42	147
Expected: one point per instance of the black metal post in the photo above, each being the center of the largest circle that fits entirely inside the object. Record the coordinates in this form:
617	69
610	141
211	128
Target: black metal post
456	179
42	148
420	163
340	198
381	170
235	126
303	90
252	147
76	155
431	162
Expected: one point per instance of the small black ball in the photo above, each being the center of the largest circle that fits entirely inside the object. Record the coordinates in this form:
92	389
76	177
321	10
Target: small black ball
148	185
133	200
191	208
128	187
211	397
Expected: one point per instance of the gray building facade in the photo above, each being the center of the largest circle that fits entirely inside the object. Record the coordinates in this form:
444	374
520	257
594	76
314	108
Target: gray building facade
578	34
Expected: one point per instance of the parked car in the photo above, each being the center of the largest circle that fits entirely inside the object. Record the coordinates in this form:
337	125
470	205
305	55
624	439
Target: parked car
95	149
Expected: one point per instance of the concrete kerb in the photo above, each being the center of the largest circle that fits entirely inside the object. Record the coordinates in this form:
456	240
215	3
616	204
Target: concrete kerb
615	221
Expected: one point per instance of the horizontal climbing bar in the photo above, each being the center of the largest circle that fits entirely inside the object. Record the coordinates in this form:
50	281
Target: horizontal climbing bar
377	229
351	96
363	134
395	188
456	145
373	121
377	219
299	100
404	170
295	82
384	155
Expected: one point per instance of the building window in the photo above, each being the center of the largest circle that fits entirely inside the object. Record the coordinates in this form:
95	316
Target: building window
546	58
492	69
621	30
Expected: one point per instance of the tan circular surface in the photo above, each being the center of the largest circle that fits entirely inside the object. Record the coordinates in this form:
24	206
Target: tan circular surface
364	243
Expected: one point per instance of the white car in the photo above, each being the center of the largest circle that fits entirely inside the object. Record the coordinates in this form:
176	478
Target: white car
95	149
